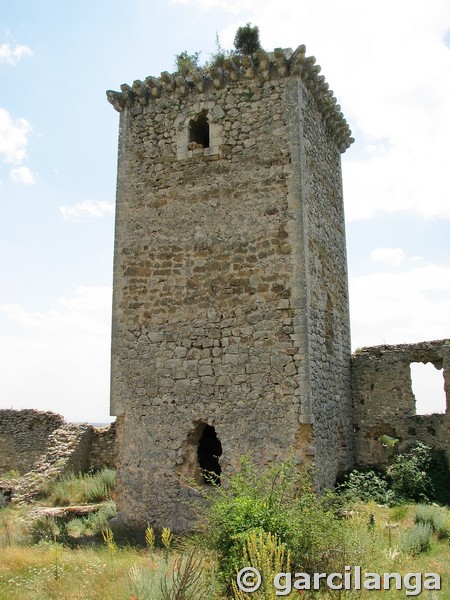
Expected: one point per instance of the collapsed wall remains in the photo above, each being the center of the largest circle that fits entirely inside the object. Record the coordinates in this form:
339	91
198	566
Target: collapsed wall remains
384	403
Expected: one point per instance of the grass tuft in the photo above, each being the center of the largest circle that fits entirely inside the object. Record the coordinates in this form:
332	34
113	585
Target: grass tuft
82	488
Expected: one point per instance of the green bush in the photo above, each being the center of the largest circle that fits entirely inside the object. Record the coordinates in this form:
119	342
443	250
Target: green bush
408	474
367	486
278	500
434	516
186	63
439	472
100	485
100	519
417	539
246	40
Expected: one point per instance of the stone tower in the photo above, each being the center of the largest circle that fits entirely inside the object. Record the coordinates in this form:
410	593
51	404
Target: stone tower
230	311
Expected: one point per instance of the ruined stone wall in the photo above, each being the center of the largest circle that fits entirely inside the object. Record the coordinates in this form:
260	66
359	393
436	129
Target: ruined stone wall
384	403
24	437
103	448
211	314
35	440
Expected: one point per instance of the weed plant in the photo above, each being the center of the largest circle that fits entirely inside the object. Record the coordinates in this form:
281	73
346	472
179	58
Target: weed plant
13	530
399	512
269	556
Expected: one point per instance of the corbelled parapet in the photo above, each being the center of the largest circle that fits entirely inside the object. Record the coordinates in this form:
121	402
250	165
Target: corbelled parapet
263	66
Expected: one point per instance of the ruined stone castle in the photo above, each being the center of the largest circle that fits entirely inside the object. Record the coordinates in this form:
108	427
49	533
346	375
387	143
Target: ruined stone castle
230	311
231	328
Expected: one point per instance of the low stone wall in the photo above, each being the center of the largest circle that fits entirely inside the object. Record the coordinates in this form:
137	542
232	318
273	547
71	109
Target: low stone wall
24	437
384	403
68	452
35	440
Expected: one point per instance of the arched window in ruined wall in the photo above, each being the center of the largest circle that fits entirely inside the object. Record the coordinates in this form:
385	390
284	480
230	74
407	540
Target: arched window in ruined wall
199	132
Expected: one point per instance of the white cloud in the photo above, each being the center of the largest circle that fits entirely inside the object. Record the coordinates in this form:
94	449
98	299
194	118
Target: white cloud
22	175
11	55
87	208
388	64
59	359
404	307
13	138
393	257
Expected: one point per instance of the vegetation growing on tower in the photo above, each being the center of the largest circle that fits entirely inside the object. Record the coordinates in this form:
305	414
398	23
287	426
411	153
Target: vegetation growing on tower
246	42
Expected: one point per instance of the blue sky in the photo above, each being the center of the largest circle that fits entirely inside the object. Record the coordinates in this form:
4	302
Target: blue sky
389	65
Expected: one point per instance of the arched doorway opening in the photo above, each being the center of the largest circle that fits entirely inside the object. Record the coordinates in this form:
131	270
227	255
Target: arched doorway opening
209	452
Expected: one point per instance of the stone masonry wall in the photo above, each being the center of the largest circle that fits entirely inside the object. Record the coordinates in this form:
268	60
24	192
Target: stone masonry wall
31	439
327	307
68	452
212	310
103	450
24	437
384	403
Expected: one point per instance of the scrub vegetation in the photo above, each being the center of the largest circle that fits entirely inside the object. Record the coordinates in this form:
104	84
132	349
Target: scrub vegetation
271	520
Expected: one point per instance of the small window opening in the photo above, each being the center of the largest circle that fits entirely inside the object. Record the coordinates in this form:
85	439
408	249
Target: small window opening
428	388
209	451
199	131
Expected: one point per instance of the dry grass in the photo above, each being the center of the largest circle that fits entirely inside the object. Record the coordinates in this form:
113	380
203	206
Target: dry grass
53	572
50	571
